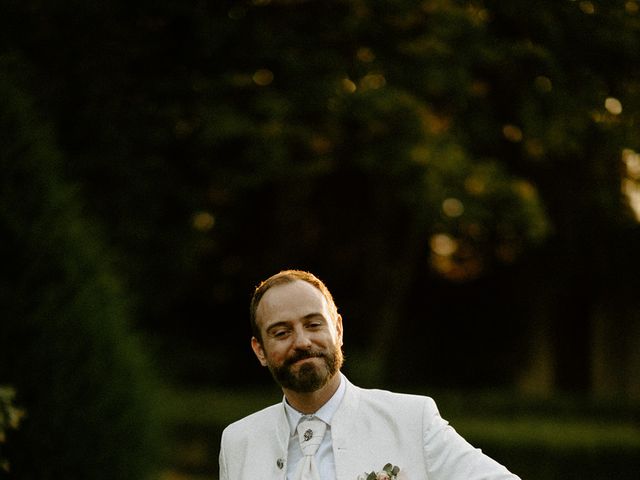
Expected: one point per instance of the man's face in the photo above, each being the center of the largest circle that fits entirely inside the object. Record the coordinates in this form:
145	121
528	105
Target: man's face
301	341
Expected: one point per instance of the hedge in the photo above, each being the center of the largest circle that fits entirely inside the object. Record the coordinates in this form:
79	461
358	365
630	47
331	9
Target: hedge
66	344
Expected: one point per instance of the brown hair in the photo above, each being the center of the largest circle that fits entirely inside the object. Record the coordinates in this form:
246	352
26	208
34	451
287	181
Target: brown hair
283	277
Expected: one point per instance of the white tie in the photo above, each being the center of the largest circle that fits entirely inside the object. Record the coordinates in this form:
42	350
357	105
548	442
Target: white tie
310	434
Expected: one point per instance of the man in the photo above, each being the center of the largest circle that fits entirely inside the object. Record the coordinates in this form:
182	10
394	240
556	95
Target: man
327	428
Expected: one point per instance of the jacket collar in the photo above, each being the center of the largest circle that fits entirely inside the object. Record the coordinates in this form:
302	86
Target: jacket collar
325	413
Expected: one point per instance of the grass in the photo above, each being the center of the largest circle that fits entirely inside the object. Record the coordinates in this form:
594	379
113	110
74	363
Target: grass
526	428
551	433
213	407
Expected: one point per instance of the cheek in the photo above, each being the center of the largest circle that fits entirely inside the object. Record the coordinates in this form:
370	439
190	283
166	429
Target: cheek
275	355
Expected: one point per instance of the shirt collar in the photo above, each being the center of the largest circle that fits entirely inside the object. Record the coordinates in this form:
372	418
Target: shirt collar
325	413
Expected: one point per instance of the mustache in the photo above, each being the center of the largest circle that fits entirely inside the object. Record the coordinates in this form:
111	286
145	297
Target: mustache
303	355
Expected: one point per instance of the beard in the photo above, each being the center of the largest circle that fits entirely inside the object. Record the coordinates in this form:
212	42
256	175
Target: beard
308	377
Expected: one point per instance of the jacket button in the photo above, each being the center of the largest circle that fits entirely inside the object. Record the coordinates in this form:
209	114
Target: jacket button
280	463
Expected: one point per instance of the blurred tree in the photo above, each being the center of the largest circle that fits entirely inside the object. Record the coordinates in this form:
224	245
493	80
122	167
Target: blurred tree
368	141
560	86
351	162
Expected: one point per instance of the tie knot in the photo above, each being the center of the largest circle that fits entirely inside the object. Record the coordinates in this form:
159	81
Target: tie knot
310	434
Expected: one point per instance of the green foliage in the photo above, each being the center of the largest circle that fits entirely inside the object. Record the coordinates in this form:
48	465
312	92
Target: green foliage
396	143
10	417
65	340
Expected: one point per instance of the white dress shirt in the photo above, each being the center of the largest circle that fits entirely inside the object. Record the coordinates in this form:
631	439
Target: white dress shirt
324	455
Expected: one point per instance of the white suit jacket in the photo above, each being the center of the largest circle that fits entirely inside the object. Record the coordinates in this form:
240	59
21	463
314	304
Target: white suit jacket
370	429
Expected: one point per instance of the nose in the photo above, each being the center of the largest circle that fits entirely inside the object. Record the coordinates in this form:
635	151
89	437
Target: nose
302	339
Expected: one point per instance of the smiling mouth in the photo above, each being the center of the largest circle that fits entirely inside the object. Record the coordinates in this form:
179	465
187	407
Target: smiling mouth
302	360
296	361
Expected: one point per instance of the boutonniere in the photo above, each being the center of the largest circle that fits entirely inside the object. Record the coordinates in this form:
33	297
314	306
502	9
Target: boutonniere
389	472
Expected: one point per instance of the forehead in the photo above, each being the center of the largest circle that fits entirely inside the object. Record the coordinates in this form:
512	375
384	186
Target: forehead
290	301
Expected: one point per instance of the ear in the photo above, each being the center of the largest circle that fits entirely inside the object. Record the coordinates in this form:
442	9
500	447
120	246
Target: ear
259	351
339	328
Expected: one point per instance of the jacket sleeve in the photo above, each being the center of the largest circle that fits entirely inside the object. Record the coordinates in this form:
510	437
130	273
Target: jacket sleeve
448	456
223	460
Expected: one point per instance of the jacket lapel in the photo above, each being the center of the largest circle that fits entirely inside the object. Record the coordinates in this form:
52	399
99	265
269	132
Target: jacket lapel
283	432
344	433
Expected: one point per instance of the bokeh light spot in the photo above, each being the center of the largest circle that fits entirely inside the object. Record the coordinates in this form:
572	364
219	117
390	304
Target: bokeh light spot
479	88
587	7
373	81
475	185
534	148
512	133
320	144
630	184
203	221
443	245
348	86
632	161
613	106
452	207
263	77
543	83
365	54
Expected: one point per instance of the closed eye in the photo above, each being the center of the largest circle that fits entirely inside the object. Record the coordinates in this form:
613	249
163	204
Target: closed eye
281	330
315	324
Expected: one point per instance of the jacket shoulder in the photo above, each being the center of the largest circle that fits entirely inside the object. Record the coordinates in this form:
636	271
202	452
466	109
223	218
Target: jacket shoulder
385	398
255	422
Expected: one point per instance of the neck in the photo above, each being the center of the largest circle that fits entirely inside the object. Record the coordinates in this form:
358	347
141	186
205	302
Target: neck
311	402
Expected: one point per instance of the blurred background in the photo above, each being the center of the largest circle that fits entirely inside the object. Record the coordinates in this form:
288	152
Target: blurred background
463	175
